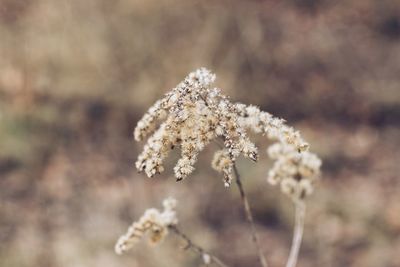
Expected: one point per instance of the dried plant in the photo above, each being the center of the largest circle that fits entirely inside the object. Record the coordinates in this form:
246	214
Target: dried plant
156	225
153	223
194	114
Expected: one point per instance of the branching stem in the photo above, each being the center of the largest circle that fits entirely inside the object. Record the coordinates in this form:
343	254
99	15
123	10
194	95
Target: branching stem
249	217
196	248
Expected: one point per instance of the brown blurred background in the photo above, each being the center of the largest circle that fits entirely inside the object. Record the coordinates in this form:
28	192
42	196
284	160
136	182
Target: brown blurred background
75	76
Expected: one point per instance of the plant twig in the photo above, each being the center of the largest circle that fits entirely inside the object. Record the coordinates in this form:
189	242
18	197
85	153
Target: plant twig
196	248
298	233
249	217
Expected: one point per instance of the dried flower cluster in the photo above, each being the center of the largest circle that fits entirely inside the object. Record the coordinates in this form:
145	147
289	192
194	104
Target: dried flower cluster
251	117
195	114
153	223
295	172
192	115
295	168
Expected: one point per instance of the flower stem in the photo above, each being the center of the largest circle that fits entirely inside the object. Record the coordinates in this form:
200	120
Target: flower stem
249	217
298	233
197	248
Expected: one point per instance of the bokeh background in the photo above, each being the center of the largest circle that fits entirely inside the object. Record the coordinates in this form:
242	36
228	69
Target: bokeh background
75	76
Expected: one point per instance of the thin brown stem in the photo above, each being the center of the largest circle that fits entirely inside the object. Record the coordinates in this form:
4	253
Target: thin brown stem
298	233
196	248
249	217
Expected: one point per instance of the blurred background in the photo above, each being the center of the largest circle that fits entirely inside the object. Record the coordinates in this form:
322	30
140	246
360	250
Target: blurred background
75	76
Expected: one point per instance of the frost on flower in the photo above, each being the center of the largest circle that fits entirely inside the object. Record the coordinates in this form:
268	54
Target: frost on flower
153	224
194	114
